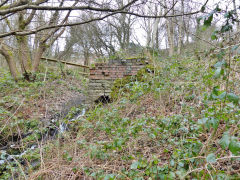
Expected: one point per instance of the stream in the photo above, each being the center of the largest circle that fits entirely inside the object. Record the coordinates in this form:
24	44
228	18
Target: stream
52	133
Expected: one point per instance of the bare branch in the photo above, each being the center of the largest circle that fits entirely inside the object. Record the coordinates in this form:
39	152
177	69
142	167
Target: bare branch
66	8
4	2
111	13
30	17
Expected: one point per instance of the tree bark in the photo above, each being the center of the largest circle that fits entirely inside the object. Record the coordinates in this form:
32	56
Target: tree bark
149	31
180	29
86	58
154	34
170	32
7	54
24	55
154	42
170	36
235	9
23	47
37	57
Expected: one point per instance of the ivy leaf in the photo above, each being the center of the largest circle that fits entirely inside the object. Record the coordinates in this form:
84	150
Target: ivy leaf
109	177
225	141
211	158
172	163
220	64
217	9
172	175
212	122
233	98
226	28
135	165
199	19
203	8
228	14
208	21
235	47
214	35
222	95
216	90
221	54
202	121
234	146
215	93
218	72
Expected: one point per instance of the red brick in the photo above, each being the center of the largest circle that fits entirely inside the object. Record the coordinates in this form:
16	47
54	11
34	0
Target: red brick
96	77
122	68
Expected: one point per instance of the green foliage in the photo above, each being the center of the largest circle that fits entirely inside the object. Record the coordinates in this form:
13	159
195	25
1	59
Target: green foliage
138	82
188	129
229	19
21	111
169	145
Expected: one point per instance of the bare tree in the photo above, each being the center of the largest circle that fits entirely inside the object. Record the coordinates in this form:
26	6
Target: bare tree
180	29
119	14
170	30
6	52
29	65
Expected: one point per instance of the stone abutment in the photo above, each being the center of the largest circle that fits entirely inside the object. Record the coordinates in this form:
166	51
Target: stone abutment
103	75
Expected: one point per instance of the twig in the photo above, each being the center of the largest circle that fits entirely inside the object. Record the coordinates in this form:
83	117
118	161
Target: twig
208	171
12	116
189	172
227	157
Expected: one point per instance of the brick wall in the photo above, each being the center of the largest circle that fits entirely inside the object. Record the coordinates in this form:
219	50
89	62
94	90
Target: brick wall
103	74
116	69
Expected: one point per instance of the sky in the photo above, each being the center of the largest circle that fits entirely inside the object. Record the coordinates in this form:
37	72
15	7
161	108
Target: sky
139	35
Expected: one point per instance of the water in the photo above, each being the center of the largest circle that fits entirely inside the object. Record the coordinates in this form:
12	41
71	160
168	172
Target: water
6	158
63	126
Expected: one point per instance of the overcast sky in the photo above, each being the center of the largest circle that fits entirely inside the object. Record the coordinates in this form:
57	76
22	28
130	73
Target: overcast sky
139	35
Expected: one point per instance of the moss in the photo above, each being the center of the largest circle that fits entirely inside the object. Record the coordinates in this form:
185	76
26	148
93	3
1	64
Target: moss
10	53
142	72
4	7
136	57
119	85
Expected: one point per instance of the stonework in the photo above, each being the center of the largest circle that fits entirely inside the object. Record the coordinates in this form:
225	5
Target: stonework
103	75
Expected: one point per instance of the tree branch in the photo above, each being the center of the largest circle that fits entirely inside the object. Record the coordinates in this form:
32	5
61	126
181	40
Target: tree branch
4	2
66	8
113	12
30	17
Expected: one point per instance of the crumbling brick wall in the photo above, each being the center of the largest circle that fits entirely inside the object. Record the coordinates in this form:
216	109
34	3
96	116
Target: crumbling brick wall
103	75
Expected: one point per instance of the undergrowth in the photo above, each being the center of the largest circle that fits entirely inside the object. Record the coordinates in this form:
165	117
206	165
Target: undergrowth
181	121
25	109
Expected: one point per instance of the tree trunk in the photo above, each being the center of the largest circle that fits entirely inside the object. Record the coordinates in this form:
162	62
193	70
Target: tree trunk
86	57
154	33
23	48
235	9
170	36
148	31
180	29
38	55
170	32
11	63
24	55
